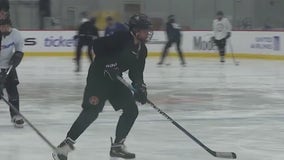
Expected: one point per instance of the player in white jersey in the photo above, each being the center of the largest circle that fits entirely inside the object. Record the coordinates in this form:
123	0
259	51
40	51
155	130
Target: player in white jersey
11	54
222	31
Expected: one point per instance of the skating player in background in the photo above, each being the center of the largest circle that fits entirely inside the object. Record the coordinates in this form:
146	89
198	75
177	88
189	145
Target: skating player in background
115	54
4	11
84	17
86	34
113	26
222	31
4	5
11	54
174	36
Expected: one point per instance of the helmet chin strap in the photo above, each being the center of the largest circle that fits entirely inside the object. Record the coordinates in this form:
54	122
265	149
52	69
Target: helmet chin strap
136	40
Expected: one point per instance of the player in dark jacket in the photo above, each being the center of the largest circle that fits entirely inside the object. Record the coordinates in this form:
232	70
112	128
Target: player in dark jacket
115	54
86	34
174	36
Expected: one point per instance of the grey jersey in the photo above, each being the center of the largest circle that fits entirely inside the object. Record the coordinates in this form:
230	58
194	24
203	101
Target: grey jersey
11	43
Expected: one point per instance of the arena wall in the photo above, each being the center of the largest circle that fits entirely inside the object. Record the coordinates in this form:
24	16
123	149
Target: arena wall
244	44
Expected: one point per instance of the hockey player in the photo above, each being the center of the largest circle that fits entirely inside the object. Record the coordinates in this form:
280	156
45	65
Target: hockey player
11	54
114	54
113	26
86	34
4	5
84	17
4	11
222	31
174	36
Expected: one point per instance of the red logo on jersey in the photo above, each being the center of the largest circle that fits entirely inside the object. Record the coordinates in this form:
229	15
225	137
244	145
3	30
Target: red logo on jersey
94	100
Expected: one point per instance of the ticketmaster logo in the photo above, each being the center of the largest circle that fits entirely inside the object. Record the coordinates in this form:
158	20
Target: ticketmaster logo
59	42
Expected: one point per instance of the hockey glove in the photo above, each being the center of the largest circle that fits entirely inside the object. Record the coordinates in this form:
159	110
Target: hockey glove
2	82
76	37
111	71
16	58
212	39
228	35
140	93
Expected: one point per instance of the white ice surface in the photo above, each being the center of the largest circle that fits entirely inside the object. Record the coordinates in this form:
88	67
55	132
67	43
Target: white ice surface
229	108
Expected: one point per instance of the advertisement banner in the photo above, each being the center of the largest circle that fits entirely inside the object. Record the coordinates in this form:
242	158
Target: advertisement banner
243	42
49	41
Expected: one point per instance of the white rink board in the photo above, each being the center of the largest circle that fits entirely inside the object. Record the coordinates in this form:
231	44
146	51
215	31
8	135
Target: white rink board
244	42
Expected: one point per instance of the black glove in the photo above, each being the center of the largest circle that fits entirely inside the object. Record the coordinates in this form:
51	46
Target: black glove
140	93
2	82
16	59
212	39
112	71
228	35
76	37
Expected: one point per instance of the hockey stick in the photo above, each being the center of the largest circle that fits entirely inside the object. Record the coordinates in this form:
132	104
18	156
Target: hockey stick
25	119
232	52
230	155
30	124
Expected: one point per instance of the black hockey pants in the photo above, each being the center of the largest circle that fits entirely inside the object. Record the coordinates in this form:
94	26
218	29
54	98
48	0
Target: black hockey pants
221	45
12	90
98	90
177	41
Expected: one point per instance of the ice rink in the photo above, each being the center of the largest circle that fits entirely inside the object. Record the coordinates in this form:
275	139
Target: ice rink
228	107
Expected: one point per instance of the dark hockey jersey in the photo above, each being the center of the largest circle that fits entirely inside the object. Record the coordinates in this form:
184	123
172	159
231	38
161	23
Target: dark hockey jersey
173	31
88	30
120	48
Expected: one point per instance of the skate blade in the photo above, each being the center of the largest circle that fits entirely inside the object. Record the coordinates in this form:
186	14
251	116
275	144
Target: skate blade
18	125
118	158
54	156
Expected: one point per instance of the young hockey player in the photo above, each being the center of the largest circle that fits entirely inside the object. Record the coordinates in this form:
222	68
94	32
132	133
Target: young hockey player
11	54
174	36
115	54
222	31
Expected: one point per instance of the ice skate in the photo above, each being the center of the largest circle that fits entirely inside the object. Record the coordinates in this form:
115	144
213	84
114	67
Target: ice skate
222	59
118	150
160	63
63	149
18	121
77	69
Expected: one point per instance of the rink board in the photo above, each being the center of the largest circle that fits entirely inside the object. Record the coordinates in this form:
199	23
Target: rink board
244	44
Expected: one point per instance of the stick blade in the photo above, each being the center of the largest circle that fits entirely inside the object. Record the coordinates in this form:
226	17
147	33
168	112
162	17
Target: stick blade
229	155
